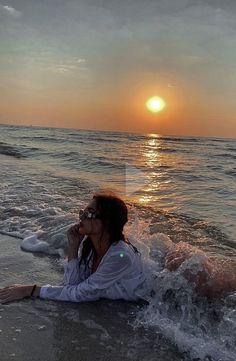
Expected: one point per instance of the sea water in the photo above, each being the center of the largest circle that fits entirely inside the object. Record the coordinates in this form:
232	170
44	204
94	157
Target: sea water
186	192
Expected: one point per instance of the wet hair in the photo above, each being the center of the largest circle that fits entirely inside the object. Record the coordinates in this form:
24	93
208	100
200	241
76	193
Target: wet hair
113	213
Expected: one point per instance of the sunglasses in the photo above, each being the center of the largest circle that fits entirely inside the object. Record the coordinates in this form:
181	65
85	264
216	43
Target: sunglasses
88	215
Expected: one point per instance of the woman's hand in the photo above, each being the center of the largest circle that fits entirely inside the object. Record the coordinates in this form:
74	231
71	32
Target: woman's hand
73	235
14	293
74	239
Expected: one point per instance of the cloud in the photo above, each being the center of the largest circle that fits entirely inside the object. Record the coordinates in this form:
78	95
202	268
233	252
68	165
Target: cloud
69	66
9	10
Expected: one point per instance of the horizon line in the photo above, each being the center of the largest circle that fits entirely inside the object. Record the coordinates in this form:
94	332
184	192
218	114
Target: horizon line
115	131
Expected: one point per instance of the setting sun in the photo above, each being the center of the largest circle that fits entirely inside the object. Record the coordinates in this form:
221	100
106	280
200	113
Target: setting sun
155	104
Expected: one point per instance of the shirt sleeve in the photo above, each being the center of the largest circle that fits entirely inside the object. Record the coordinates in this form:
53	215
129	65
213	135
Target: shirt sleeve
73	272
94	287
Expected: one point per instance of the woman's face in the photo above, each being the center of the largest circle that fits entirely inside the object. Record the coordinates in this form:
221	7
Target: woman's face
91	226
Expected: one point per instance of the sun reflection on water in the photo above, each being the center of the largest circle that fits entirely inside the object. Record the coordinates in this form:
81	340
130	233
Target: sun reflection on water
156	159
152	155
152	159
145	199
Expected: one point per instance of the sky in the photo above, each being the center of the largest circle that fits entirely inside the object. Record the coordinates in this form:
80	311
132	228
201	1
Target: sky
92	64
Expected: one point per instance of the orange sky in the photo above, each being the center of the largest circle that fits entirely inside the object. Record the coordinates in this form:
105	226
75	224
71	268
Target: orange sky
94	64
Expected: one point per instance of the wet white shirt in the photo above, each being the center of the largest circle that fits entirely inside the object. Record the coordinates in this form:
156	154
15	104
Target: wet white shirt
119	276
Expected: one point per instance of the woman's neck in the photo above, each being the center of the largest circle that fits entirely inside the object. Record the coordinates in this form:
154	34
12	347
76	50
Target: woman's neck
101	245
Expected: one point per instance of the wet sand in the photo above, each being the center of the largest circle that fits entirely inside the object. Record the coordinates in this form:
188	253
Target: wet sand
33	330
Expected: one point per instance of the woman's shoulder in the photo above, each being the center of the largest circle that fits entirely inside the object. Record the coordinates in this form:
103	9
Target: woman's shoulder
119	244
123	246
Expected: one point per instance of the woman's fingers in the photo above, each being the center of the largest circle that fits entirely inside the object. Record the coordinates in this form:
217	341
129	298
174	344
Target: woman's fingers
9	287
13	293
74	236
6	300
2	292
4	288
5	297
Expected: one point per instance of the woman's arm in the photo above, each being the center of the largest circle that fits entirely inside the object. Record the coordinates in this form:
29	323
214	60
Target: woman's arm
95	286
18	292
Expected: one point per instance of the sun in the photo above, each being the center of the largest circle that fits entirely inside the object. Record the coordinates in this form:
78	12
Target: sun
155	104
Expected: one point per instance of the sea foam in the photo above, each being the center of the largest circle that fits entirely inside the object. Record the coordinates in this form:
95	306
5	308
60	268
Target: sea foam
33	244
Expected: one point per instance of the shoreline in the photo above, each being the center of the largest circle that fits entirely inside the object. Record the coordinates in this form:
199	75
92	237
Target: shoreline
24	330
36	330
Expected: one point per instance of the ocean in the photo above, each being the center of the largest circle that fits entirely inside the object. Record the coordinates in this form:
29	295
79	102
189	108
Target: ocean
182	188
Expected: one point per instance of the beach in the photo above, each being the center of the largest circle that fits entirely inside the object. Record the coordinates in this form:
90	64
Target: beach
135	99
33	330
26	331
184	192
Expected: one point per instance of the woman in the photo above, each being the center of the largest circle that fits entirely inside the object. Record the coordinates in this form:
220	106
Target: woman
101	262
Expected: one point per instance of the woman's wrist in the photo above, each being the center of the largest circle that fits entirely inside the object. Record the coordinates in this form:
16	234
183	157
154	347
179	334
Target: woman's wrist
36	292
32	291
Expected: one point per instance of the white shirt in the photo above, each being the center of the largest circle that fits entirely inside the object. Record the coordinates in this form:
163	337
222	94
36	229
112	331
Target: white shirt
119	276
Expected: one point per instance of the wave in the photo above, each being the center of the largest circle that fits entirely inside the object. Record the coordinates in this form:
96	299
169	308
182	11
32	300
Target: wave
33	244
105	140
9	150
175	139
98	138
175	308
107	136
45	139
230	149
168	150
98	164
73	138
225	155
83	160
222	140
232	172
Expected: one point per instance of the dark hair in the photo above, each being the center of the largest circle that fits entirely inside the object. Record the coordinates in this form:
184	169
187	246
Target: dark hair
114	215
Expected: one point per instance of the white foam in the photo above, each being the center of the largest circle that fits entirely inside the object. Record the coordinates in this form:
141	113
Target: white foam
33	244
174	307
138	233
